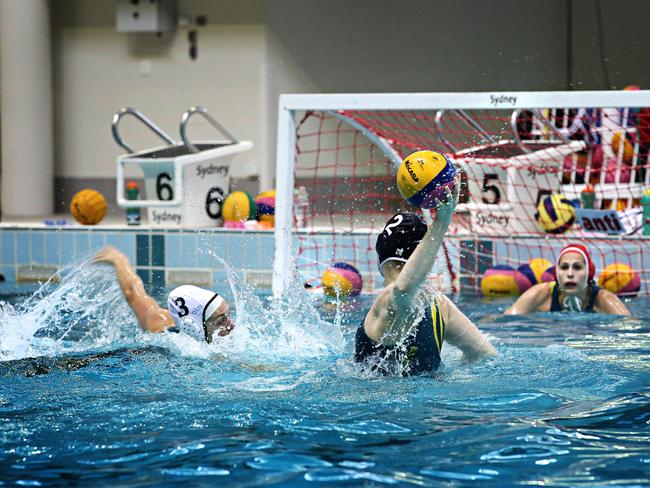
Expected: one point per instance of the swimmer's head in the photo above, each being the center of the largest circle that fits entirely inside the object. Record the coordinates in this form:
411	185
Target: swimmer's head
199	313
399	238
574	269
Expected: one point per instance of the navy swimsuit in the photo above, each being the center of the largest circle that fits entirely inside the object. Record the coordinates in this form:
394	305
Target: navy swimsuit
418	354
556	306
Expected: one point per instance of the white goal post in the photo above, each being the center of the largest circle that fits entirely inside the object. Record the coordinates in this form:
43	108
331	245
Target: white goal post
463	106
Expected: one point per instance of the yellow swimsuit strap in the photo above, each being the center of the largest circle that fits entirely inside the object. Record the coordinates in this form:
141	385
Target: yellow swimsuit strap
438	324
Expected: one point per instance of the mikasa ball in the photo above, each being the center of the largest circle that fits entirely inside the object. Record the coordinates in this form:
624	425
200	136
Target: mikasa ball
88	207
424	177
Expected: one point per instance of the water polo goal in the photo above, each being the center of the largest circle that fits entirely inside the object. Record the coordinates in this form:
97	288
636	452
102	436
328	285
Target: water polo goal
337	156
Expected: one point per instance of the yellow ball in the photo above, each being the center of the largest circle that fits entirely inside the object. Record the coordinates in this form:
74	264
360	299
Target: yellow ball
342	280
88	207
239	206
424	177
499	281
555	214
621	279
266	207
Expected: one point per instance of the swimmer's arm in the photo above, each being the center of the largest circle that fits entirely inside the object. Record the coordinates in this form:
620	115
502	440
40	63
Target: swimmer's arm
608	302
151	317
415	271
462	333
530	300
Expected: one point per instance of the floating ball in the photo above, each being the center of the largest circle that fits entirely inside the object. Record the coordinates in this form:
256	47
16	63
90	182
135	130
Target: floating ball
266	207
342	280
621	279
548	275
499	281
531	273
238	207
88	207
555	214
424	177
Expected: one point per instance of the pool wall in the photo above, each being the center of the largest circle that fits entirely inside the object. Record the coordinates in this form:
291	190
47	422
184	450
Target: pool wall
165	257
162	257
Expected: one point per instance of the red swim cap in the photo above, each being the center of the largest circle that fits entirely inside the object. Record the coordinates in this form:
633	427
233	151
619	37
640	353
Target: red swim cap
582	250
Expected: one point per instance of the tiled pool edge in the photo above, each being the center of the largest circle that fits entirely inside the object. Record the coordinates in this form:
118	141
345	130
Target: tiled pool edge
161	256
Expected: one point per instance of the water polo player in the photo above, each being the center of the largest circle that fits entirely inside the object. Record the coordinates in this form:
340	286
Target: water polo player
195	311
574	288
406	325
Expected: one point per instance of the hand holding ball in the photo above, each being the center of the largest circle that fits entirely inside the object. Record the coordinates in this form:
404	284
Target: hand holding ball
88	207
425	178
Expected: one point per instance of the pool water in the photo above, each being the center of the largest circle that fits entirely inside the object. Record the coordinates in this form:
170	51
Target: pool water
85	398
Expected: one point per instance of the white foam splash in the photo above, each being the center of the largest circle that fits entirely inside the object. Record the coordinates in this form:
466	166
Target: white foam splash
286	328
83	308
80	308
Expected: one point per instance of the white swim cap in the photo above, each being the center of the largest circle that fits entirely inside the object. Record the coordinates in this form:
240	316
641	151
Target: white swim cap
191	306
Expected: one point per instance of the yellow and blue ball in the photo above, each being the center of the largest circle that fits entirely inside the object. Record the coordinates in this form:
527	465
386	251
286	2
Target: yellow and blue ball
532	273
621	279
88	207
424	177
555	214
266	207
499	281
238	207
342	280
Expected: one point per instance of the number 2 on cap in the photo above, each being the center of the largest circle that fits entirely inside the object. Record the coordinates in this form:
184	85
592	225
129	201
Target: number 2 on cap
397	220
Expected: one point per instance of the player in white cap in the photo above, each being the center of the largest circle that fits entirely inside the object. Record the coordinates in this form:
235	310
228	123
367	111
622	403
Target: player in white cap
200	313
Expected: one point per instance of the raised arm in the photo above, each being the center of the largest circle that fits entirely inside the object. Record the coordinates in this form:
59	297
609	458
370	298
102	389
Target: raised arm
415	271
462	333
151	317
391	312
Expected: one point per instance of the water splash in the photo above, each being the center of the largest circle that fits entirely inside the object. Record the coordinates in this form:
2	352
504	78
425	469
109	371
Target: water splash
81	307
284	328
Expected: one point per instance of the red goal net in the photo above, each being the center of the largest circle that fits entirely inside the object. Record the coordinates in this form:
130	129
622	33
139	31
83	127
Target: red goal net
533	179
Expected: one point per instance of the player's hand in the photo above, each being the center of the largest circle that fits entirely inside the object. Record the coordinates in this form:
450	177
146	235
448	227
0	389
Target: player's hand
445	209
108	254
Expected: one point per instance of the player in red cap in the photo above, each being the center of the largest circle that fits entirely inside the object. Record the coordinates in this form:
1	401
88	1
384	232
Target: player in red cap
574	288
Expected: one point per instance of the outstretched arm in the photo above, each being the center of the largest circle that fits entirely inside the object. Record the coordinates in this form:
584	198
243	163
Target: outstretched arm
151	317
530	300
462	333
415	271
391	311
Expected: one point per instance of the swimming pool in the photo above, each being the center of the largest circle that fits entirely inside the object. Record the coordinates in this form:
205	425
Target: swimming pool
87	399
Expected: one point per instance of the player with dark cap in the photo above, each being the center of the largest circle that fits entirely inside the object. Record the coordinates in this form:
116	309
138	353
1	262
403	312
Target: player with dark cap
406	325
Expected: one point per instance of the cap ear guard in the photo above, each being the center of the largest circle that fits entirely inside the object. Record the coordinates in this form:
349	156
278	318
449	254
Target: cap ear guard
192	328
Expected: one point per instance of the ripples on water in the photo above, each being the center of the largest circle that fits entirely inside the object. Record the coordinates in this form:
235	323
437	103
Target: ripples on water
88	399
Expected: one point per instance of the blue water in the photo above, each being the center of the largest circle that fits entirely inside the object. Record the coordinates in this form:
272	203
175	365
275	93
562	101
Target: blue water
86	398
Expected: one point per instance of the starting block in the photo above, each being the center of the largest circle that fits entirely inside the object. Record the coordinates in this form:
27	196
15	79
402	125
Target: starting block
185	182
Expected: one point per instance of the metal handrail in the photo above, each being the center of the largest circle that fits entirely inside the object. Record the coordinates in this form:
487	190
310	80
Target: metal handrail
470	121
142	118
438	121
203	111
515	132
